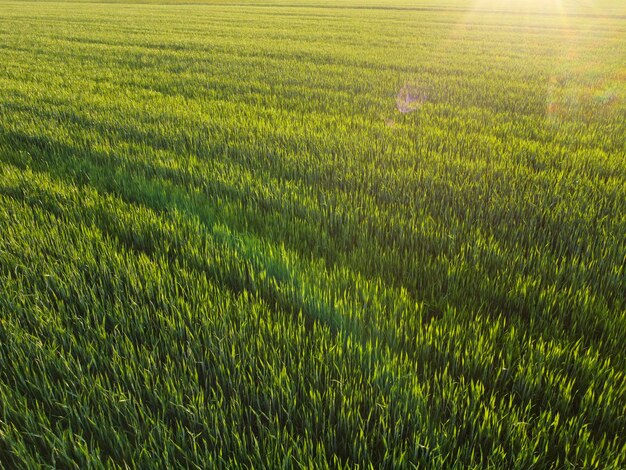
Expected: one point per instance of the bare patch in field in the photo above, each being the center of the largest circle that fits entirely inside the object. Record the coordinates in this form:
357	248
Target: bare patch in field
410	98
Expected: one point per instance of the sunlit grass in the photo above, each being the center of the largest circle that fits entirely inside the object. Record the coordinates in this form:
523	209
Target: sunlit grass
324	235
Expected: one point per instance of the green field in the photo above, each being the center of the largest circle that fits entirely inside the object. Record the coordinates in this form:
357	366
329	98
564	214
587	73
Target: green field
313	234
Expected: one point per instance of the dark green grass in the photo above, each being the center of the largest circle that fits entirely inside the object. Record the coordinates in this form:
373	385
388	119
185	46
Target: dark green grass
222	245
